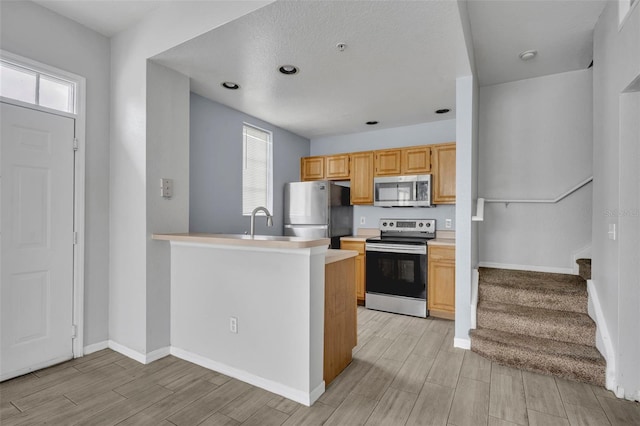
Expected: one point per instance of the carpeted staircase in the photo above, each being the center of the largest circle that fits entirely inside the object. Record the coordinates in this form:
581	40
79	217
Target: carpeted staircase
537	321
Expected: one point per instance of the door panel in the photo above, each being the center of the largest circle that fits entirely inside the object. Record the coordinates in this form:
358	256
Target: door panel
36	293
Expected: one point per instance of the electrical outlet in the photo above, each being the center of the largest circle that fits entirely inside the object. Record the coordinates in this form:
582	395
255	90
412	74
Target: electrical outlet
363	220
447	223
612	231
233	324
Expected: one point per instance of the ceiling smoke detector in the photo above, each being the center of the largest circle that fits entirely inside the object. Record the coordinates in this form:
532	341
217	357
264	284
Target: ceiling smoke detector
288	69
528	54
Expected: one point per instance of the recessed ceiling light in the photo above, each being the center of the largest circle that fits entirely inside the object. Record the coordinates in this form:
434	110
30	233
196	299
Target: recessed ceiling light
528	54
288	69
371	123
442	111
230	85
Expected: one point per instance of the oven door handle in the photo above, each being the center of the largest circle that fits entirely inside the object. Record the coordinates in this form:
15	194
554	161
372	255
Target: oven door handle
396	248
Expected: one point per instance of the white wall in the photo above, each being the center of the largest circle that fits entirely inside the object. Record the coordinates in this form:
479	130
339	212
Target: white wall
616	196
37	33
466	195
167	157
536	143
166	27
277	297
419	134
216	169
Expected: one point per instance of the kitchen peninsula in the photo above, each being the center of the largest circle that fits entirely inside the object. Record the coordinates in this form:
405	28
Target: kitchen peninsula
254	308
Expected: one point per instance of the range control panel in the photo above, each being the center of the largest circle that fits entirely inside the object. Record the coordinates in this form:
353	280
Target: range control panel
408	225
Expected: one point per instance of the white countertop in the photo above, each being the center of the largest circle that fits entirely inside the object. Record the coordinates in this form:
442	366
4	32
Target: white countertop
338	255
245	240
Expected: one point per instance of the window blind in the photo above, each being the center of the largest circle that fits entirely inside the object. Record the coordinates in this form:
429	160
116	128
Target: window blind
256	169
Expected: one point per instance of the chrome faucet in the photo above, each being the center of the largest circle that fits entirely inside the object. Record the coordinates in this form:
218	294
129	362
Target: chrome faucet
253	218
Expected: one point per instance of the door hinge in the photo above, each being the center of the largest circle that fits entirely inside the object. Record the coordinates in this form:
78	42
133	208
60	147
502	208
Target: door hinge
74	331
75	237
75	144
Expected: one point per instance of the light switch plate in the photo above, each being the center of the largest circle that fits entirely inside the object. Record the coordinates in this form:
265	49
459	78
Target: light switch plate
166	188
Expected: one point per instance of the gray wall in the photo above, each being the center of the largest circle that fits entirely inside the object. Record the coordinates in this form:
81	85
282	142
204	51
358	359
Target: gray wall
39	34
536	143
420	134
216	168
167	157
616	196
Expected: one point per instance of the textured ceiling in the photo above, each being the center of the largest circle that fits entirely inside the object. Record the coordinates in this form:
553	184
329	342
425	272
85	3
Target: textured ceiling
399	65
561	32
108	17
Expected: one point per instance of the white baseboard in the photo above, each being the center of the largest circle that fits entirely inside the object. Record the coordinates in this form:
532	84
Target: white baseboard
603	339
526	267
157	354
475	278
277	388
461	343
128	352
95	347
138	356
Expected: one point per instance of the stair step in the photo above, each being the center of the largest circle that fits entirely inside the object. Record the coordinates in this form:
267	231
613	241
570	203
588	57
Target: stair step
564	326
534	289
584	268
562	359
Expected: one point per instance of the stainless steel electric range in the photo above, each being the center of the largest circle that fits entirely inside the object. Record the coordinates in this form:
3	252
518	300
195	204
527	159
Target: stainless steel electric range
396	265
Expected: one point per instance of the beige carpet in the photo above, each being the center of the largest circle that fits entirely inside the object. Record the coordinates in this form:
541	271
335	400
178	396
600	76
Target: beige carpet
537	321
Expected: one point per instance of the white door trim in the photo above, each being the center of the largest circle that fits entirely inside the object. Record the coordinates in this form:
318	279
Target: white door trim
79	183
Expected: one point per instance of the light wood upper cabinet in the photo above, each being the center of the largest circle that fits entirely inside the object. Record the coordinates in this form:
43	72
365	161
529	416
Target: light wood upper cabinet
337	167
387	162
442	281
444	173
311	168
360	266
362	177
416	160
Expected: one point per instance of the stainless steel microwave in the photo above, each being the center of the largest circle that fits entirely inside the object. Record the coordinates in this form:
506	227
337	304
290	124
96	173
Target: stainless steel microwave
402	191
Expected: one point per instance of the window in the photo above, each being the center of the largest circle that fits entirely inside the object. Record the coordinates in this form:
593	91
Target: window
257	172
30	86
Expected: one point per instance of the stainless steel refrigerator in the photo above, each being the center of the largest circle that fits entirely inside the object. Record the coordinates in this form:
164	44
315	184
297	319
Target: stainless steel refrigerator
318	209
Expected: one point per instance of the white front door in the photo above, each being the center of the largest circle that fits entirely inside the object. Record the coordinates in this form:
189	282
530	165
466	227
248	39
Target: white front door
36	292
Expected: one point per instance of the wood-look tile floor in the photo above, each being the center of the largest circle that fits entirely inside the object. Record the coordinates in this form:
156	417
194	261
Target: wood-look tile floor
405	372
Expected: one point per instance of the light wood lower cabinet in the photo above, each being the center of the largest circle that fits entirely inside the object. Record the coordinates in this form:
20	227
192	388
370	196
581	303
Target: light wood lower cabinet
361	269
340	323
442	281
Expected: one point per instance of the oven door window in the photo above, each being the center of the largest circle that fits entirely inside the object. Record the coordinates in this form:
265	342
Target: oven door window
397	274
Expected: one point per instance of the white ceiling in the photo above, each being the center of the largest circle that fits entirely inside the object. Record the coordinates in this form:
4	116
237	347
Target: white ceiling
400	63
561	32
108	17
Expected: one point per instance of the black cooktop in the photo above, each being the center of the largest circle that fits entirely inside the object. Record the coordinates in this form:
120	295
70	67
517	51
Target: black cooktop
414	241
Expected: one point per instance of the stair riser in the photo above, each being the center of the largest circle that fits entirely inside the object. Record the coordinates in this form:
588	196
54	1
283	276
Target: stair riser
568	303
540	363
555	330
